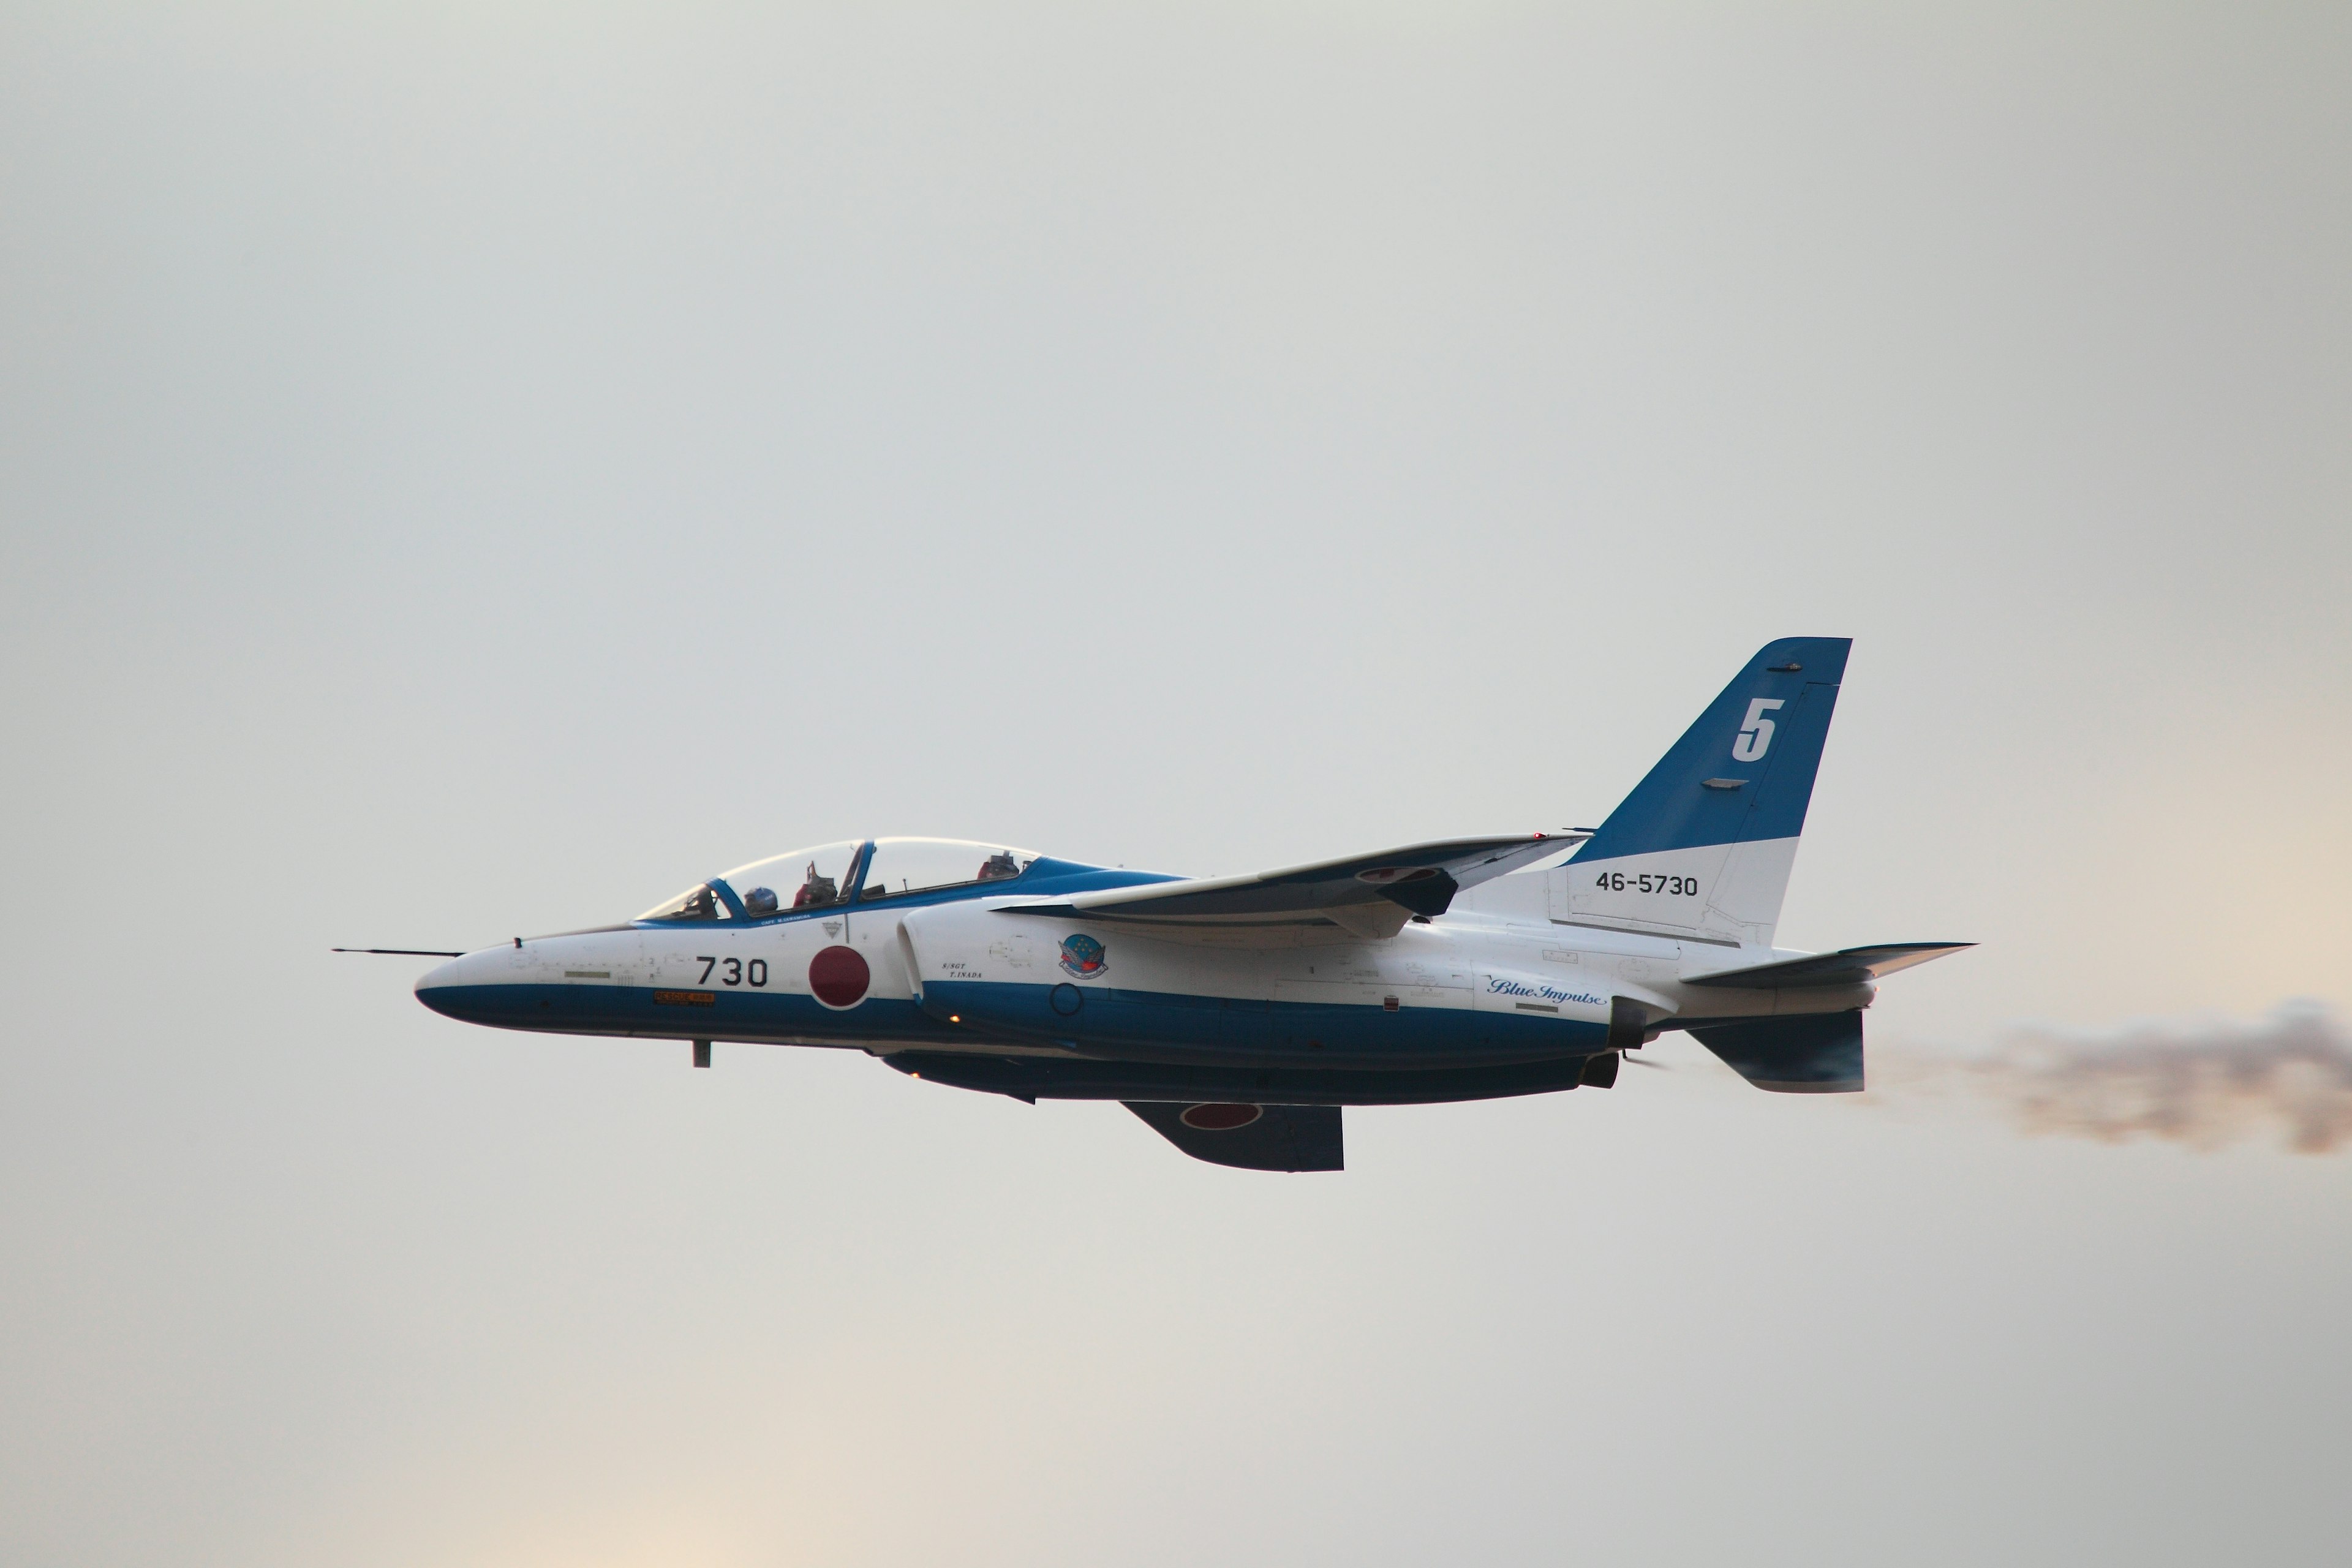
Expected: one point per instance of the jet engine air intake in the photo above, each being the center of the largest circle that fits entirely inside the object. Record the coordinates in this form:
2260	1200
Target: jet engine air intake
1629	1024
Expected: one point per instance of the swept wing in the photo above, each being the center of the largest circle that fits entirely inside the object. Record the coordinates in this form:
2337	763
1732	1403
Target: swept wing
1370	895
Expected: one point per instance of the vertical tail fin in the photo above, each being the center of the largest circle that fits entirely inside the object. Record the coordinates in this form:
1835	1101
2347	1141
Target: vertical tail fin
1703	846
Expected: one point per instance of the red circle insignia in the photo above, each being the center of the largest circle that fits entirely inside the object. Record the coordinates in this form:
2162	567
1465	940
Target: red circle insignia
839	977
1220	1117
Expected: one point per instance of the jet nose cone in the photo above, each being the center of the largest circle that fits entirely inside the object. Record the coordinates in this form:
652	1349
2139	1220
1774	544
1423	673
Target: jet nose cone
453	989
439	995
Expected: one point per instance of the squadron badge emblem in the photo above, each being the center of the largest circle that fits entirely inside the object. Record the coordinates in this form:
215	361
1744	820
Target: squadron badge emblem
1082	955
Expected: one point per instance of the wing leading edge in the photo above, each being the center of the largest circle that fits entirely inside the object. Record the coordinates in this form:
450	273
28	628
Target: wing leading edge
1370	895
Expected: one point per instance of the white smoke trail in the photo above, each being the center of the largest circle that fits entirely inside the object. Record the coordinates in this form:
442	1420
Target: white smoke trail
2197	1081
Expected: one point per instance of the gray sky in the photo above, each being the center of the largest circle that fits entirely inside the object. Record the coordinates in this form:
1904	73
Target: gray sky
478	470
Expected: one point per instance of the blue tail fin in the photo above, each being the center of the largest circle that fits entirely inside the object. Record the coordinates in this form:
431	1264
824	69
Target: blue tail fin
1703	846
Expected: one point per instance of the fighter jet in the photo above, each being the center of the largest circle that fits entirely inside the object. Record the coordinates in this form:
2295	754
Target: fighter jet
1236	1016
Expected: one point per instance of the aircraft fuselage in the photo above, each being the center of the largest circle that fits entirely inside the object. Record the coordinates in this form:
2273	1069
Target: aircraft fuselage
969	972
1234	1014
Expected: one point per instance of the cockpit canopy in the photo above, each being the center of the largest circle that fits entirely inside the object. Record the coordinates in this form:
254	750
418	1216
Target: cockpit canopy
854	871
899	867
801	879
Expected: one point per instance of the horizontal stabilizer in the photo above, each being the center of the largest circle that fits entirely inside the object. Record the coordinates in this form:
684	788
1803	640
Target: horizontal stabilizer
1850	967
1253	1137
1819	1053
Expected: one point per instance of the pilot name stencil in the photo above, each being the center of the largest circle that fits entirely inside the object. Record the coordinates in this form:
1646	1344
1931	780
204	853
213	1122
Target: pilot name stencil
1498	985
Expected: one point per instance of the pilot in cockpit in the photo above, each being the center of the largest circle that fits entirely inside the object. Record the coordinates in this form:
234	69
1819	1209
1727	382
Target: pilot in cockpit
817	890
998	867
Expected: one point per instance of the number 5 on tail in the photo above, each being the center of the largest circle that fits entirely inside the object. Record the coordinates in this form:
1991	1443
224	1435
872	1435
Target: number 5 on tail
1756	735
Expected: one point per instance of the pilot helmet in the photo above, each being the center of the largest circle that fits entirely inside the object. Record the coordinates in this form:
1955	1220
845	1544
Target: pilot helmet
761	901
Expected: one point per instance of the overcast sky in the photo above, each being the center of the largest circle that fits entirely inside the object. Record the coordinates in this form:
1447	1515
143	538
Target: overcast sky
478	469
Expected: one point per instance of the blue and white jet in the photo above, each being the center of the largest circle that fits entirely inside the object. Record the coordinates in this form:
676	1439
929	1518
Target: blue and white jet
1237	1014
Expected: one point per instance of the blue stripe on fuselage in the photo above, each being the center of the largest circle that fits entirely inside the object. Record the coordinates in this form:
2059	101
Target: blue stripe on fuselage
726	1015
1140	1026
1063	1078
1158	1025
